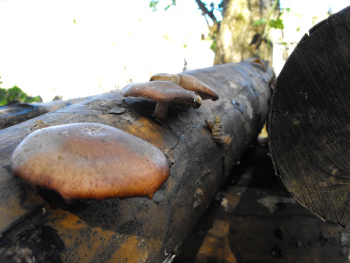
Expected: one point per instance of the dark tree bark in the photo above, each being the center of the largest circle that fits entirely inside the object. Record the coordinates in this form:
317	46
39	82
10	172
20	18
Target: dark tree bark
309	120
19	112
44	227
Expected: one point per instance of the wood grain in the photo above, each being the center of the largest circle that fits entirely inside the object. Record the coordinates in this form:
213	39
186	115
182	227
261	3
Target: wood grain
309	126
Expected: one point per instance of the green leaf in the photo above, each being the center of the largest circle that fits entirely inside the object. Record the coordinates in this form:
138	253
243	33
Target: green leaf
173	3
15	94
153	4
259	22
213	45
276	23
35	99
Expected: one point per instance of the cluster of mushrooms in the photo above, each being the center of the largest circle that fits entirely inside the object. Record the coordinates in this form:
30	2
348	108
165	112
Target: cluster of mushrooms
96	161
180	89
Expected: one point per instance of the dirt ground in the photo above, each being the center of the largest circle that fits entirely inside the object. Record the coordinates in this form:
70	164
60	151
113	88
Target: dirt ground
254	219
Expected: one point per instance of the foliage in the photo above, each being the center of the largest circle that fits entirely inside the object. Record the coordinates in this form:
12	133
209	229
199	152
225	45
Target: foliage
266	24
153	5
269	22
274	23
214	12
209	11
15	94
213	38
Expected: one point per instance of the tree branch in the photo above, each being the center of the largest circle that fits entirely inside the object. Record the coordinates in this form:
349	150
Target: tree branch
205	11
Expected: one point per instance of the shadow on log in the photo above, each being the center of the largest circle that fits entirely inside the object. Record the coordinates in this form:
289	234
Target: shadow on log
309	120
42	226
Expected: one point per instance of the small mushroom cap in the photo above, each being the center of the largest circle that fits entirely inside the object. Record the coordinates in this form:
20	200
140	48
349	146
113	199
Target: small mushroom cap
90	161
162	91
166	77
190	83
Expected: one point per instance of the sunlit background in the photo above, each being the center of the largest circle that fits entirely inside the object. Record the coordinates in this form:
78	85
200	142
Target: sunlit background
78	48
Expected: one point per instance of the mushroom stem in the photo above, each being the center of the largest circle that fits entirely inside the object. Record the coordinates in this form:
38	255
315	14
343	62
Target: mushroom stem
160	111
163	92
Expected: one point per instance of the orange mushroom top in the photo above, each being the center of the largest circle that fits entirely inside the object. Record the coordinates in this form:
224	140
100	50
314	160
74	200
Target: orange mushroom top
90	161
162	91
188	82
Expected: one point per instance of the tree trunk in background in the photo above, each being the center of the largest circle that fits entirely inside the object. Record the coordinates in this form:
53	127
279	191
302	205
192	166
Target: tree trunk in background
236	32
47	229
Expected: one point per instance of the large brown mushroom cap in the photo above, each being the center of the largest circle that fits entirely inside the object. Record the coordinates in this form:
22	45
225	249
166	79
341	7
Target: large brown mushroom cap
189	83
163	92
90	161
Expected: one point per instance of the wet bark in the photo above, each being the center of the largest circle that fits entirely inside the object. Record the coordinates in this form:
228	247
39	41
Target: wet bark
44	227
309	121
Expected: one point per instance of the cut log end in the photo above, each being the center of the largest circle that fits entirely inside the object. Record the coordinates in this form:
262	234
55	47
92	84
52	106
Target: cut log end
309	120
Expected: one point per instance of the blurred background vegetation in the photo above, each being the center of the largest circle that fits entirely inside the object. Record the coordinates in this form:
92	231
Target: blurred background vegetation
15	95
86	47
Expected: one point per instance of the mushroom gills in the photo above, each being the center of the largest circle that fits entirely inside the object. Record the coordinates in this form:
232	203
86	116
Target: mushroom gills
163	92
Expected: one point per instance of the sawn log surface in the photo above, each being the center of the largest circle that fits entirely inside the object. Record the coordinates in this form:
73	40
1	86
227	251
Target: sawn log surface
309	122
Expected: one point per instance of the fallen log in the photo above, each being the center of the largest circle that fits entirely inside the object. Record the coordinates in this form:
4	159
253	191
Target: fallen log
309	120
15	113
45	228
